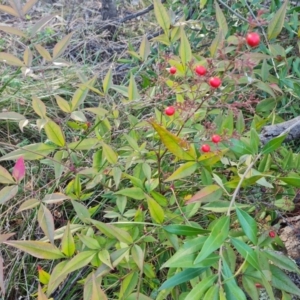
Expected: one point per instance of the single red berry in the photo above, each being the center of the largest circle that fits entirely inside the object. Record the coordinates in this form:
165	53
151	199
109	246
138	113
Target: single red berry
205	148
272	234
216	139
170	110
258	285
200	70
215	82
253	39
172	70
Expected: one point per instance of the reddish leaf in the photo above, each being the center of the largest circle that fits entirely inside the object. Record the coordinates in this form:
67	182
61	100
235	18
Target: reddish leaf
19	169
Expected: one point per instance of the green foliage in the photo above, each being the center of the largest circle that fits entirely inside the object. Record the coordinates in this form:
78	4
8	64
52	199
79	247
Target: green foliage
148	214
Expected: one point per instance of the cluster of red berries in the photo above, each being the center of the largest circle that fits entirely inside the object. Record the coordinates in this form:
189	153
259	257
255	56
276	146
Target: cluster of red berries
215	139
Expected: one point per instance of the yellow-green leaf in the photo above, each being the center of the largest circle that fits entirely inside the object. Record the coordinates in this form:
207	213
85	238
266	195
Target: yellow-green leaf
105	257
144	48
81	93
61	46
185	49
216	43
107	82
162	16
183	171
5	176
63	104
30	152
54	133
134	193
41	295
56	277
79	261
138	256
221	19
7	193
27	57
67	242
37	249
180	148
30	203
86	144
43	52
208	194
156	211
133	93
46	222
11	59
28	5
12	30
276	24
39	107
109	154
9	10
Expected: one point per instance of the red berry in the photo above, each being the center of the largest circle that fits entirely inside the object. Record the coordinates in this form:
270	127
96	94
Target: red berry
205	148
216	139
172	70
258	285
170	110
215	82
272	234
253	39
200	70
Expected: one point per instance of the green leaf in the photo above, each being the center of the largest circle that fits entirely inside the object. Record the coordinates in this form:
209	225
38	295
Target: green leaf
216	43
184	230
282	261
276	24
56	278
293	181
264	87
139	296
67	242
86	144
107	82
232	290
133	93
46	222
254	140
207	194
81	93
247	252
183	171
128	285
212	293
81	211
240	122
282	282
190	247
79	261
249	287
37	249
30	152
273	144
239	147
156	211
184	49
182	277
54	133
221	206
134	193
266	105
248	224
179	147
138	256
105	257
11	60
30	203
110	230
216	238
200	288
221	19
162	16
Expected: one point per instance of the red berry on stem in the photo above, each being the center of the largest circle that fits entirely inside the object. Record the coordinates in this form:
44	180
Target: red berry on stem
172	70
253	39
170	110
215	82
200	70
272	234
205	148
216	139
